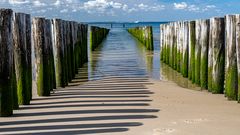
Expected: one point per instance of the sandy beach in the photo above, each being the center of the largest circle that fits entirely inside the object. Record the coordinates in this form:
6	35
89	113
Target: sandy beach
126	106
189	112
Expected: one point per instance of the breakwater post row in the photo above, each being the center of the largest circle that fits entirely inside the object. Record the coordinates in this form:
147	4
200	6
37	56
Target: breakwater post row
97	35
144	35
211	50
60	48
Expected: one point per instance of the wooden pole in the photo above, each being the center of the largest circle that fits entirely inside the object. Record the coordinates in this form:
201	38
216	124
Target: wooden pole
6	63
49	40
185	51
41	56
161	40
216	56
175	46
178	47
204	41
192	41
29	53
22	58
238	51
197	52
231	78
59	53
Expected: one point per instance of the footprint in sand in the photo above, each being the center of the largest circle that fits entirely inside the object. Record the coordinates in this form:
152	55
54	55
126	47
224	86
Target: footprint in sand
193	121
163	131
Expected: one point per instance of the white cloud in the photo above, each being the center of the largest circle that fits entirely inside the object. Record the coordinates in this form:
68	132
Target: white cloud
57	3
37	3
64	11
182	5
14	2
194	8
154	7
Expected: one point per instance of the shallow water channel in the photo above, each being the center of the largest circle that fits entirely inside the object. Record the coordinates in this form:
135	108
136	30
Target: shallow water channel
121	54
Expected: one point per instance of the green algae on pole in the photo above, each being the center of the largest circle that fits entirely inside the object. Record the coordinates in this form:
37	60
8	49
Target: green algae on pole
185	51
161	41
192	40
197	52
59	52
204	41
144	35
41	56
231	76
6	63
216	43
97	35
49	40
22	58
29	52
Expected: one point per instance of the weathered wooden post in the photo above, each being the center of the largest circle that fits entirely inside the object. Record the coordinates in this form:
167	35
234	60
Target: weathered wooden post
75	47
59	53
191	42
65	56
238	51
175	45
167	44
29	52
178	47
41	56
49	40
161	41
69	48
181	36
197	51
7	73
216	56
85	42
204	41
231	77
22	57
185	51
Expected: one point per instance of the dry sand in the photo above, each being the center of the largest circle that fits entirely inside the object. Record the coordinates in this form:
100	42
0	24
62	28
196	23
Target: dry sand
189	112
126	106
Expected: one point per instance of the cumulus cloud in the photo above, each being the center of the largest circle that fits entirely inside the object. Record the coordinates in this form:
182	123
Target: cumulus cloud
102	5
14	2
57	3
192	7
37	3
182	5
154	7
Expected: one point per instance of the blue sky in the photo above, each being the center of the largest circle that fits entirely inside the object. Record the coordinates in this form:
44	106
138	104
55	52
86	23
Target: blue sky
124	10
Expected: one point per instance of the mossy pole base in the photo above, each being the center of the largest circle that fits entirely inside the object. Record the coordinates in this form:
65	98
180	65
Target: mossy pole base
49	42
59	52
41	56
185	53
192	40
144	35
204	42
198	52
22	59
216	56
6	64
97	35
231	76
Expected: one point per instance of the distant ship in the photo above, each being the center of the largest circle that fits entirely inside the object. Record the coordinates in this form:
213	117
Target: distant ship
136	22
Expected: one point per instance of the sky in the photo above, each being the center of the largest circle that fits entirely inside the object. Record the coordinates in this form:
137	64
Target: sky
124	10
